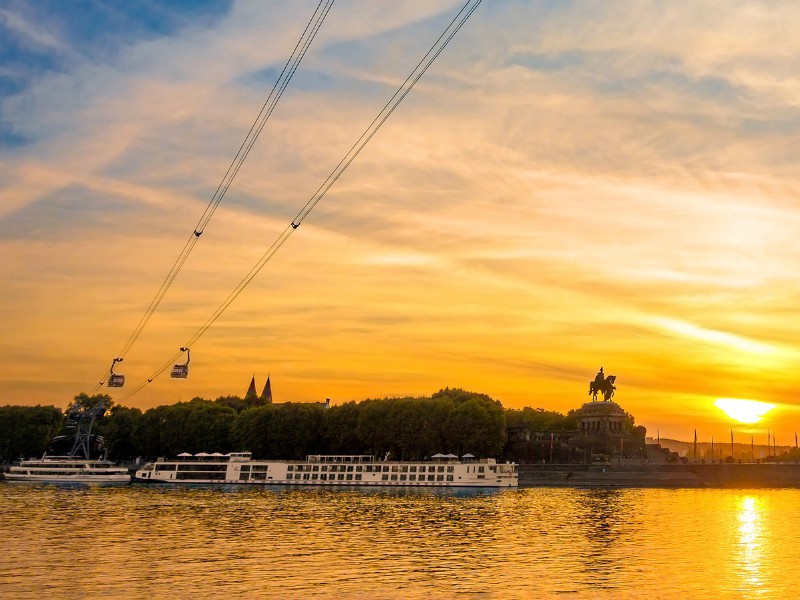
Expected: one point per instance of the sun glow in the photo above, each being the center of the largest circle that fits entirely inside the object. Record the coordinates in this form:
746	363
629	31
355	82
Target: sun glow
744	411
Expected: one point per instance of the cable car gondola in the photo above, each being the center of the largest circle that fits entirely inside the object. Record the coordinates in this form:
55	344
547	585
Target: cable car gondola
181	371
115	380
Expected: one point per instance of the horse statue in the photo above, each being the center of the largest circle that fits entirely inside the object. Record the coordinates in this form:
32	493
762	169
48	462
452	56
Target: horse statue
604	385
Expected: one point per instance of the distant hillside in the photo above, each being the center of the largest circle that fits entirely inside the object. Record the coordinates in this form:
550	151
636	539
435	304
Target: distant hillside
721	449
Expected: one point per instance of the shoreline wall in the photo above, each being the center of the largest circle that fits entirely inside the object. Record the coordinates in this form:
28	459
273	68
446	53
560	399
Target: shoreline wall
660	475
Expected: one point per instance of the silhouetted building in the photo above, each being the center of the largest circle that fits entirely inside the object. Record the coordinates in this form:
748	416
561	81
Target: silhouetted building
251	391
266	394
603	428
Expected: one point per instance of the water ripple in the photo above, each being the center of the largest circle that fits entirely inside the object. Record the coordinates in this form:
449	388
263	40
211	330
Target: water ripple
213	542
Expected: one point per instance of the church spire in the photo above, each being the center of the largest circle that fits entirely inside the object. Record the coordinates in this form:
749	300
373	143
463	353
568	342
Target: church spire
251	391
266	395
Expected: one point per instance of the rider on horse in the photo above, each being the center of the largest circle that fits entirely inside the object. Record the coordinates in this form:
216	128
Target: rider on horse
599	379
602	384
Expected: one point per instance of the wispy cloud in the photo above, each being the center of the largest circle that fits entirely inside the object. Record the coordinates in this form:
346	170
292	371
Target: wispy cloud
571	184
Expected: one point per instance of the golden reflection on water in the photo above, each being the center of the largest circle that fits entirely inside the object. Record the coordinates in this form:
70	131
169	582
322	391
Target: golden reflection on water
215	542
750	540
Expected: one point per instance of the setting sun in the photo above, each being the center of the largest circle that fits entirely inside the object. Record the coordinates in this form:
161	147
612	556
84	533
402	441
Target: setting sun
744	411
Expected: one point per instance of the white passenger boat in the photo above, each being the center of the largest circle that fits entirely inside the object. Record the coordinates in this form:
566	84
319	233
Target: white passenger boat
66	469
75	458
342	470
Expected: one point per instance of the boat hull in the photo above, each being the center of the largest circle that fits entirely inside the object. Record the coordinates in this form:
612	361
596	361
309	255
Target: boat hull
121	479
67	470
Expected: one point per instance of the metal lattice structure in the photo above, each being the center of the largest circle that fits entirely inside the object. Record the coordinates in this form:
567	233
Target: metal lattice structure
82	419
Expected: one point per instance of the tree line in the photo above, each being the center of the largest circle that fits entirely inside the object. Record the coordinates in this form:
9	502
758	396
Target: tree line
410	428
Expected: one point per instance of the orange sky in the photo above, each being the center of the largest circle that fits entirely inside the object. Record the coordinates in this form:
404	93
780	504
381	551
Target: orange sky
569	186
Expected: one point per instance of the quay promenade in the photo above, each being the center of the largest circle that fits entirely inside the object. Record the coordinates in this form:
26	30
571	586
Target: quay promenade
660	475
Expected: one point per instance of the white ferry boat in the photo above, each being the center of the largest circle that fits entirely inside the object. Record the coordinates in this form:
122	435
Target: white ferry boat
75	458
341	470
67	469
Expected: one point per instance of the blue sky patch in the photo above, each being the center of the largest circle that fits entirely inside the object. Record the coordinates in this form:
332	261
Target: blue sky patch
48	35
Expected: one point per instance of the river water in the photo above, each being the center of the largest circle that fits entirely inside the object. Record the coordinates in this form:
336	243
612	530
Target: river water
214	542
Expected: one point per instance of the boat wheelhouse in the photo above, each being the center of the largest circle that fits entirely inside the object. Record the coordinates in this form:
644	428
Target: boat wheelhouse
319	469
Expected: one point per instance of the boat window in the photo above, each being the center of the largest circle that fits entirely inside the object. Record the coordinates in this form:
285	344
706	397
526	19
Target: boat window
394	477
349	468
212	476
413	469
358	476
449	478
440	478
385	469
431	469
385	477
340	477
430	477
480	469
440	469
403	477
450	469
290	468
349	477
204	468
395	469
404	469
412	477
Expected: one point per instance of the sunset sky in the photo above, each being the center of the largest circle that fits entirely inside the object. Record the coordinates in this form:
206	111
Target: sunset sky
571	184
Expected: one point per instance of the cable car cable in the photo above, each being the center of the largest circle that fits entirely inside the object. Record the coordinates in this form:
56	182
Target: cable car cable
287	73
418	71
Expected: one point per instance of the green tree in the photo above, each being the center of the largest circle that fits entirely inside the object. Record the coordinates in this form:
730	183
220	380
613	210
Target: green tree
240	404
477	427
339	429
172	433
536	419
372	429
86	402
26	430
251	430
208	427
147	433
296	430
118	429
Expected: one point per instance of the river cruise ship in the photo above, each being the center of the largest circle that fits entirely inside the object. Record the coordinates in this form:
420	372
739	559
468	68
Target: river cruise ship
343	470
67	469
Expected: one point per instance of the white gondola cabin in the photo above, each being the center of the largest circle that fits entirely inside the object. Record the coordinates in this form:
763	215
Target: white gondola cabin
116	381
181	371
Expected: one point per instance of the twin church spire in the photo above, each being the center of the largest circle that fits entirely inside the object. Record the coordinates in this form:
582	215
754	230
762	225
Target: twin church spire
266	394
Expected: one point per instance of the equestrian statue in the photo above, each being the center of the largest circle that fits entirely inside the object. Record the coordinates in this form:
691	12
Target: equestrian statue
602	384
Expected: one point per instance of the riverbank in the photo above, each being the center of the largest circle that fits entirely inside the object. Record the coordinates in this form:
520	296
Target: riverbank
660	475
